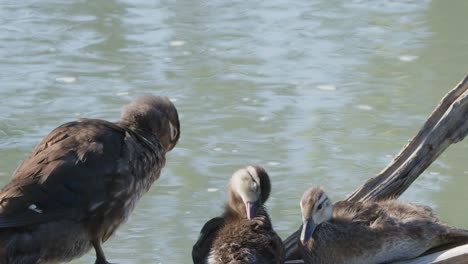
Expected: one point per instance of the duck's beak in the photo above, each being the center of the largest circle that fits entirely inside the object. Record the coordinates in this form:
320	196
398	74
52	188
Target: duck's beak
308	228
251	208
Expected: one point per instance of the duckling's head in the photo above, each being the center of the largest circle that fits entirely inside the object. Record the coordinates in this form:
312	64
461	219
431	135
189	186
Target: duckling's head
155	115
249	188
316	208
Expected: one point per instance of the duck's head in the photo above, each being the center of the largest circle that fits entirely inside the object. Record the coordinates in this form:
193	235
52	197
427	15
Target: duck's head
156	115
316	208
249	188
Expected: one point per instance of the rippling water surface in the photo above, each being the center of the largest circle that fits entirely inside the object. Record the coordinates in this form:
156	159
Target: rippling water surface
319	92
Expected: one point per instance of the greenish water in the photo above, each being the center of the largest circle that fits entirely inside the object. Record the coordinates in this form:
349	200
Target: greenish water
320	92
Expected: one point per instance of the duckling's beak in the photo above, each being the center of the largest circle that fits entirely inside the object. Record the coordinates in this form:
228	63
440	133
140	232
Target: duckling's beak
251	208
308	228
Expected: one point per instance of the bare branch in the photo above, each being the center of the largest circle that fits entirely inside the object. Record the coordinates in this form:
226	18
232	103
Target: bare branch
446	125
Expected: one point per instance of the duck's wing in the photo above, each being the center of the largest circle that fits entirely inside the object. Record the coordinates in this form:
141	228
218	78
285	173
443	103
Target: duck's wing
202	247
65	176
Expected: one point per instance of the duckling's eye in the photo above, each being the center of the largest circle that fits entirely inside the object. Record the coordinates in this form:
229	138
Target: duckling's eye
173	131
254	186
319	207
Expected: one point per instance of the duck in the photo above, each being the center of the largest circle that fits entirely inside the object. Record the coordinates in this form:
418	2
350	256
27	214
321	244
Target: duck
243	233
368	232
82	181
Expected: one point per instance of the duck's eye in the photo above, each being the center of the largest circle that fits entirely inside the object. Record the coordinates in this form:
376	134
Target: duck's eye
319	207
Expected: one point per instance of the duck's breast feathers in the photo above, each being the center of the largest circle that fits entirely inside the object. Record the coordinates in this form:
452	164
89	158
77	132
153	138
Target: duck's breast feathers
202	247
248	241
258	238
66	174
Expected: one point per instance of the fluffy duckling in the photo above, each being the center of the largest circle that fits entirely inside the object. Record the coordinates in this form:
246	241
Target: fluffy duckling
82	182
370	232
244	233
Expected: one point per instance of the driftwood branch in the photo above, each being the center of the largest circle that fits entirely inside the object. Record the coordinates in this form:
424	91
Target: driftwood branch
446	125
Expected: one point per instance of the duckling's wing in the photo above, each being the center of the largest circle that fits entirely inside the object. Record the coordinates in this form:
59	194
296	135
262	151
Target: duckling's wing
202	247
65	175
358	212
27	204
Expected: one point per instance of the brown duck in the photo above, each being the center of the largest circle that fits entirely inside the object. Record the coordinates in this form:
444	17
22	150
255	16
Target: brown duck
370	232
82	181
244	233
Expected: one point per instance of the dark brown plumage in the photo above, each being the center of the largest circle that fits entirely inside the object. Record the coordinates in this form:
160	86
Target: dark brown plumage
370	232
82	181
244	233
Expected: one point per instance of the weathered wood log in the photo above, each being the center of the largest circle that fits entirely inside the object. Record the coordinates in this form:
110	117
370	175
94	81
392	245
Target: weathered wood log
446	125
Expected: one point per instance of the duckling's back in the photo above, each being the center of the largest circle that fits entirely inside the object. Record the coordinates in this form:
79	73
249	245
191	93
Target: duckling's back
378	232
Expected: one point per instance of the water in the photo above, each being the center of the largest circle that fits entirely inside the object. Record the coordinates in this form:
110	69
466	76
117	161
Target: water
320	92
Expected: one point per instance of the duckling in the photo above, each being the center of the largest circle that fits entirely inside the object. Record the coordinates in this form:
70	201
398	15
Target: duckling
82	181
244	233
369	232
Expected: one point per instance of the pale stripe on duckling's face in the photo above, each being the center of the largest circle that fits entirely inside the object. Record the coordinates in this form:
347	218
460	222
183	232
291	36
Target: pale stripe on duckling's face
323	210
316	205
316	208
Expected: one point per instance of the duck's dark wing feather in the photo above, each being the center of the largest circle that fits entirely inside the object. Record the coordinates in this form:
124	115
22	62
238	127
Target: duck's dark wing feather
65	175
202	247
